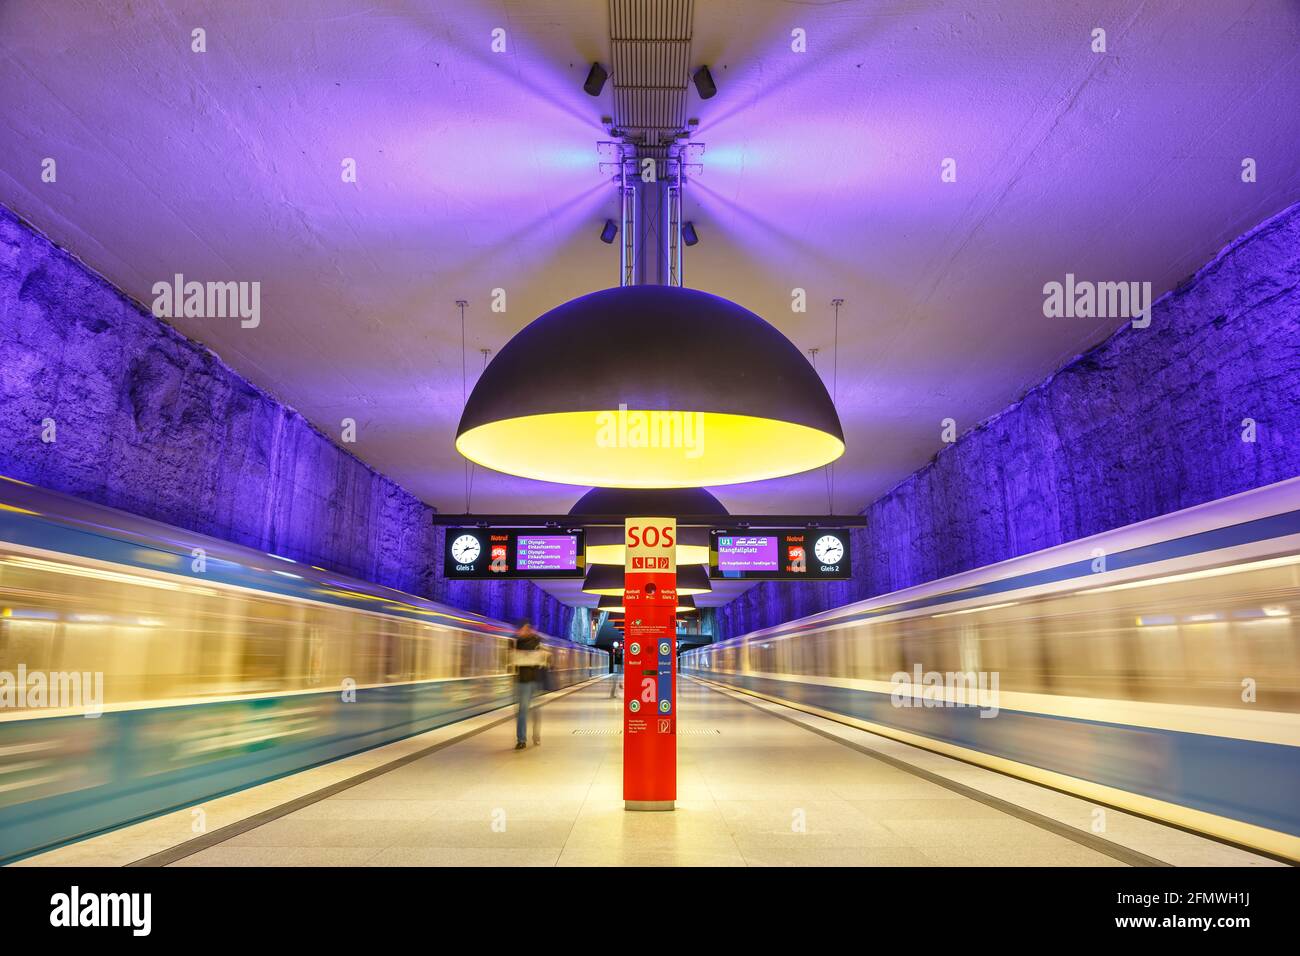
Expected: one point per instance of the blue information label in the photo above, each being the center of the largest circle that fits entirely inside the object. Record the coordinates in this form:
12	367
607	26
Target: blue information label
665	688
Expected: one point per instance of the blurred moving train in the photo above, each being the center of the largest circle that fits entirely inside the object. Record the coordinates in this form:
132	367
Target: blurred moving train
144	668
1155	668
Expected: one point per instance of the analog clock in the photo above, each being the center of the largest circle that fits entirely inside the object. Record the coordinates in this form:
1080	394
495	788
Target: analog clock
829	549
465	549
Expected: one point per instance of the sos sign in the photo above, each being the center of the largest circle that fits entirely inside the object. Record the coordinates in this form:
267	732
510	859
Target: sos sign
652	536
650	544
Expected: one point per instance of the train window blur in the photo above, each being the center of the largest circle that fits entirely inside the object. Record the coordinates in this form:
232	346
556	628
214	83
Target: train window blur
165	639
1188	641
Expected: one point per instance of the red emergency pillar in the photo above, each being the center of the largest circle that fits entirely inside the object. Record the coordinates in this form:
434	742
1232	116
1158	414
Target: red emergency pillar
650	664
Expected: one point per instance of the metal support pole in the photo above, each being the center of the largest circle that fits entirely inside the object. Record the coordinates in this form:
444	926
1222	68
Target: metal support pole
675	226
651	251
629	245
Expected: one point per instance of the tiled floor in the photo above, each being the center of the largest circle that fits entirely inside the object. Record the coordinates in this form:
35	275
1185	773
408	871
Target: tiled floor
763	791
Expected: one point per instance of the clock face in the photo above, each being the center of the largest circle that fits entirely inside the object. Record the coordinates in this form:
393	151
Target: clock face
465	549
829	549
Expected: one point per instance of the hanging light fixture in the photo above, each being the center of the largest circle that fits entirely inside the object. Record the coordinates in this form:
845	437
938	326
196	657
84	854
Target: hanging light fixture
614	605
605	544
650	387
607	579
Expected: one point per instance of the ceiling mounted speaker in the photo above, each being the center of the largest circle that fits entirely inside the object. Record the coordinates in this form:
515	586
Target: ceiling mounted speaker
607	579
650	387
704	84
596	77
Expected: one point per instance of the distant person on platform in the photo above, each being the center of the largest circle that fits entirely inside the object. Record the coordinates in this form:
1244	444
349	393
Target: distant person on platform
530	661
616	682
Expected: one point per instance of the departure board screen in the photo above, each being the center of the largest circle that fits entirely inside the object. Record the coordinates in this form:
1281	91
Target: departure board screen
749	552
483	553
780	554
546	552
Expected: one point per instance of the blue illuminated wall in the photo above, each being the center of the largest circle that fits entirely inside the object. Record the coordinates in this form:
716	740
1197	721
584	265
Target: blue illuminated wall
155	424
1148	422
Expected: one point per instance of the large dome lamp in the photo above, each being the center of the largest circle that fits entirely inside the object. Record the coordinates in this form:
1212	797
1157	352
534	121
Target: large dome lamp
607	579
650	386
604	543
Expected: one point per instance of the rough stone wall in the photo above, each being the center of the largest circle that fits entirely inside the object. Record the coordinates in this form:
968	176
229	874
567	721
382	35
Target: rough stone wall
511	601
1148	422
155	424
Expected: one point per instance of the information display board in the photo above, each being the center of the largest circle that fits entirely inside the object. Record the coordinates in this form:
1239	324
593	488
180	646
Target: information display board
481	553
780	554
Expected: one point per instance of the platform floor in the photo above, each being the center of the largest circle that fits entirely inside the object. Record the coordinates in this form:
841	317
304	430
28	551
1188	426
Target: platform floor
754	789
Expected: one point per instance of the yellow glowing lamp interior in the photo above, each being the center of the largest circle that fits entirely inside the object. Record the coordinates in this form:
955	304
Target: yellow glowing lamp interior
648	449
618	591
613	554
681	609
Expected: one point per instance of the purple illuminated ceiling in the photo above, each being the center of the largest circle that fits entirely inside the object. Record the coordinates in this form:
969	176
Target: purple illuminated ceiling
478	171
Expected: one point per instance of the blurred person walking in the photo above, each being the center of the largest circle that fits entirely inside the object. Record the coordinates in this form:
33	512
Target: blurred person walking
616	672
530	661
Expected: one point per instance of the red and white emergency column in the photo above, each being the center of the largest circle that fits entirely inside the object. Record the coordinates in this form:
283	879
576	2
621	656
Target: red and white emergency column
650	664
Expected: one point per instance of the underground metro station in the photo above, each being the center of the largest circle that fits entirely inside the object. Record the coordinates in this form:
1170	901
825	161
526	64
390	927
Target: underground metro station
649	434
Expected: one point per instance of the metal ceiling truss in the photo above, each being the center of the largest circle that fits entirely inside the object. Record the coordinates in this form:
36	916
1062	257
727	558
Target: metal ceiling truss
650	42
650	45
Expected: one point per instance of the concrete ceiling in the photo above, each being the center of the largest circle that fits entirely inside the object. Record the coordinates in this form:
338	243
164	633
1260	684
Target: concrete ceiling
478	170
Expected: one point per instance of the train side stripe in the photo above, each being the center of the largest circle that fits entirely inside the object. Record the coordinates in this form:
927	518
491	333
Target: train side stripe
1247	532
